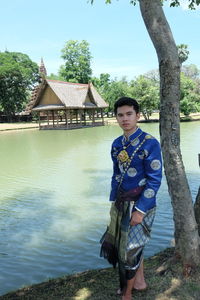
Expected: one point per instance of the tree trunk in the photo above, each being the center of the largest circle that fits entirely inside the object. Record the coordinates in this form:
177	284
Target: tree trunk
197	210
197	205
186	232
145	116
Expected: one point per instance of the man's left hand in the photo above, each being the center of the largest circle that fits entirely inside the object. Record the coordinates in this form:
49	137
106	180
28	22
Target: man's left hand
136	218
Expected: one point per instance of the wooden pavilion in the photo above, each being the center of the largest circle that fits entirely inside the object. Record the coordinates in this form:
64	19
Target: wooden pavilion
66	105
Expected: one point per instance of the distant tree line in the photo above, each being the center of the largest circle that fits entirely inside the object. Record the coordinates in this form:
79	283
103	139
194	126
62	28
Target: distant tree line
18	76
145	88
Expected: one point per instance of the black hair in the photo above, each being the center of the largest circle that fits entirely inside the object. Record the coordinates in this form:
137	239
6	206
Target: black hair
126	101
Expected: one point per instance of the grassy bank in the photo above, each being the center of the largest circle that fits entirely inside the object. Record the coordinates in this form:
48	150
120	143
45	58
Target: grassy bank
163	274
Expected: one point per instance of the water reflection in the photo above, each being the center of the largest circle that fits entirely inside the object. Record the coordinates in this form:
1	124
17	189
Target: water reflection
54	189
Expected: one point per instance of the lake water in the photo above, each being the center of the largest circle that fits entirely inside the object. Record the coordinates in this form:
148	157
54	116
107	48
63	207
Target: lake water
54	189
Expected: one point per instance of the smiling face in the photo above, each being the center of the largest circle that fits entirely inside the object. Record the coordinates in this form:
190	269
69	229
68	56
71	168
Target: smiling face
127	119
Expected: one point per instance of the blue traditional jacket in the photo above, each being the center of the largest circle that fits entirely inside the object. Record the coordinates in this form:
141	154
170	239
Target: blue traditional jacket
137	162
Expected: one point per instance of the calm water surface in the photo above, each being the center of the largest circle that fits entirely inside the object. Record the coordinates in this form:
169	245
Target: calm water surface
54	189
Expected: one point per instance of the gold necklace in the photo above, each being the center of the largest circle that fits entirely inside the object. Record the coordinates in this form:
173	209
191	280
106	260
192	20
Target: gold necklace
123	156
130	159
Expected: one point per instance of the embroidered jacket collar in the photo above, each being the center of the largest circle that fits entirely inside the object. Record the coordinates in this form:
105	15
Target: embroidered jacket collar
132	136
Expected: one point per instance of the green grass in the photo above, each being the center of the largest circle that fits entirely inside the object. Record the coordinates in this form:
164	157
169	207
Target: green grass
162	271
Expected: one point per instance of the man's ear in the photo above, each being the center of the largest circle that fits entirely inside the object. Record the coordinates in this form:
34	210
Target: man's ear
138	116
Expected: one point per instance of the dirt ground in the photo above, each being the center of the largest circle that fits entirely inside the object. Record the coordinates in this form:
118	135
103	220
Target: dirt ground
17	126
30	125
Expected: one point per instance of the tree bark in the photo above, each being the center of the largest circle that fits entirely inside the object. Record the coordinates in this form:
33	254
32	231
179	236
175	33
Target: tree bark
197	205
197	210
186	233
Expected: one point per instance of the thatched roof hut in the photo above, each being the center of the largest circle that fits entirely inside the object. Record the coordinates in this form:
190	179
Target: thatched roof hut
59	100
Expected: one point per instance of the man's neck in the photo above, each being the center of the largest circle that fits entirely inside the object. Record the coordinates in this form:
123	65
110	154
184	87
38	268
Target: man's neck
129	133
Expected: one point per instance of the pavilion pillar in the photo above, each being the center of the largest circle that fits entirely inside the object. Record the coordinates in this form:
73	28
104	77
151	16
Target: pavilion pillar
57	116
84	117
48	117
66	118
93	117
53	117
70	114
39	120
102	116
80	114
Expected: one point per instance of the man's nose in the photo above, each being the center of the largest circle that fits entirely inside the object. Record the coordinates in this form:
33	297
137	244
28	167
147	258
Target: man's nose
125	117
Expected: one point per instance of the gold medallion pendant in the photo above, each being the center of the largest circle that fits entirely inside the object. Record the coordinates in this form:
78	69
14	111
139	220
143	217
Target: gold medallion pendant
123	156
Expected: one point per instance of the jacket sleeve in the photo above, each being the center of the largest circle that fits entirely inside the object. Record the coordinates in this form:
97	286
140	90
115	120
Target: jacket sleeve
116	175
153	175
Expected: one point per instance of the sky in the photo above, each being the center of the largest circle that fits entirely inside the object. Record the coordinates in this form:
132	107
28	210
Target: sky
117	37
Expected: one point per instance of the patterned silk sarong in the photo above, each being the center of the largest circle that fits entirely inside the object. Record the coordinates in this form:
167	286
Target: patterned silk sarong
123	243
114	240
137	237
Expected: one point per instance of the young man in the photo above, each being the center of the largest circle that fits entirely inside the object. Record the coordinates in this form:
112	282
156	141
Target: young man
137	173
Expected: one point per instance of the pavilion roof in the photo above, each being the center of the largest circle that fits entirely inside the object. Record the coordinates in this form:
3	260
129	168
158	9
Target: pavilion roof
71	95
